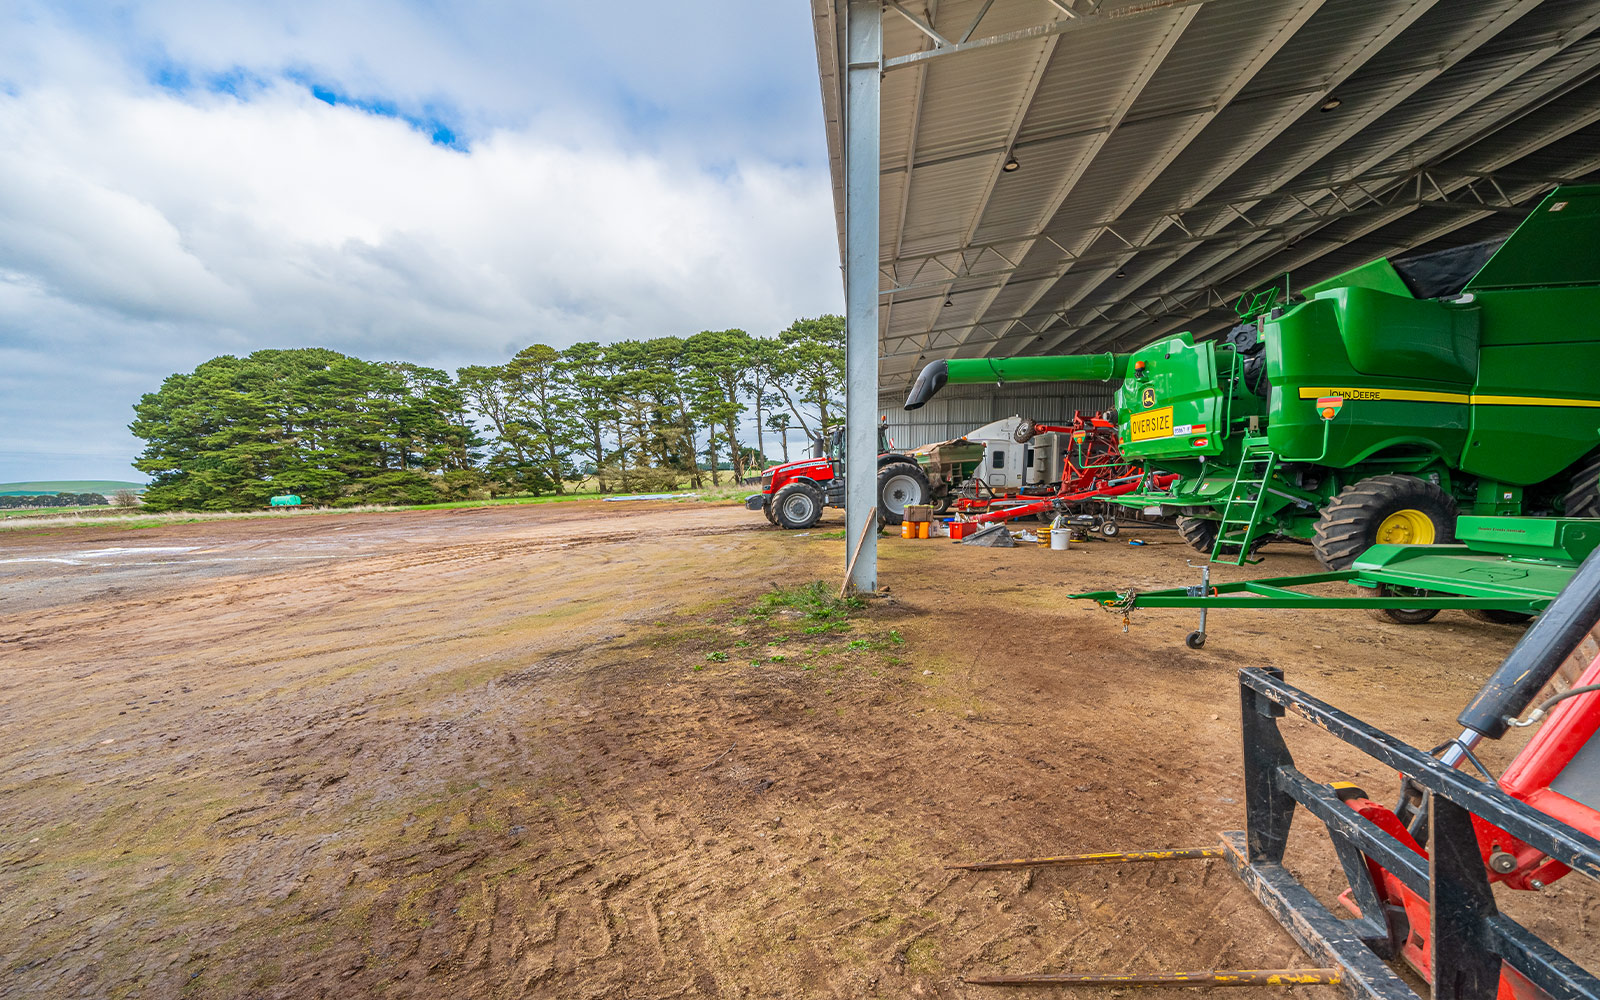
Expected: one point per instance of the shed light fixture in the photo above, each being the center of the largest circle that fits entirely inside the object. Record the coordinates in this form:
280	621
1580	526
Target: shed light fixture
1122	274
1329	104
948	303
1011	165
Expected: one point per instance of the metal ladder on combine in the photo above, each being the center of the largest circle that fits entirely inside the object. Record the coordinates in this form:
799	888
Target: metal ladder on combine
1243	511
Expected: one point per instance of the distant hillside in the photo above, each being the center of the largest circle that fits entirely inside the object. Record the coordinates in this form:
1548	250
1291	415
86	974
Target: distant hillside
106	486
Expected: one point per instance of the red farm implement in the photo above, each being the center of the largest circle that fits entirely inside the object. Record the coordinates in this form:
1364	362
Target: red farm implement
1093	471
1421	874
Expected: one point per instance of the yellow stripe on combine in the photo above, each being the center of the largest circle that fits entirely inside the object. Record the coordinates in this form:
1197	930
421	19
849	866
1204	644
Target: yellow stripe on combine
1350	394
1532	401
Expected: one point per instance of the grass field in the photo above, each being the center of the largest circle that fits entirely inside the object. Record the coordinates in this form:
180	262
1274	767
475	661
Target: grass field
107	486
134	517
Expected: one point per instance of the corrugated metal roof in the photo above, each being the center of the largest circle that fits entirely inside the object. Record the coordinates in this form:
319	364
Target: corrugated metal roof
1175	153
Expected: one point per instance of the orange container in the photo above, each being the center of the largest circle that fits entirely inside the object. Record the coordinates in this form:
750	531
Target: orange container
908	530
922	529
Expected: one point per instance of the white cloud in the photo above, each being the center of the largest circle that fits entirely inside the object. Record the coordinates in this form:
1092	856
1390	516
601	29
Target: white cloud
142	232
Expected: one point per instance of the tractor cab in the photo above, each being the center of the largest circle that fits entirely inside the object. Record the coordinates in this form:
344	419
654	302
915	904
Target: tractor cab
831	443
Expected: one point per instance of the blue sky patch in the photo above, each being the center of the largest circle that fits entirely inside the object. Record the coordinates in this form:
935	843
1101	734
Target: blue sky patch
431	121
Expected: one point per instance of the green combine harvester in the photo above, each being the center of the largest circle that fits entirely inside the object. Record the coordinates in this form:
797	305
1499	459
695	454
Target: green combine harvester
1393	398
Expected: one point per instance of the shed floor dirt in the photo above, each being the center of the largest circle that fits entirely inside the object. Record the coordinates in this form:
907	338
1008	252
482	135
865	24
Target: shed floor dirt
564	751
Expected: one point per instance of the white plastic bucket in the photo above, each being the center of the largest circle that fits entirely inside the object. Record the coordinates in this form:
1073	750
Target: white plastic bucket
1060	534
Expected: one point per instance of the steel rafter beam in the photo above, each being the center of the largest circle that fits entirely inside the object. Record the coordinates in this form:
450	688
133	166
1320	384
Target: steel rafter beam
1072	17
1442	151
1041	64
1360	196
1153	63
911	152
1194	129
1497	194
1545	137
1414	79
1128	327
968	262
1480	36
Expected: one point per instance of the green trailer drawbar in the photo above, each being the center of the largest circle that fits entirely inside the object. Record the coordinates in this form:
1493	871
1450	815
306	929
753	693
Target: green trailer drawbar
1379	407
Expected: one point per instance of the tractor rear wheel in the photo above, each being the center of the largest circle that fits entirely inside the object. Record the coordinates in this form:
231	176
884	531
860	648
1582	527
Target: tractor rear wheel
797	505
1200	533
900	485
1383	510
1583	496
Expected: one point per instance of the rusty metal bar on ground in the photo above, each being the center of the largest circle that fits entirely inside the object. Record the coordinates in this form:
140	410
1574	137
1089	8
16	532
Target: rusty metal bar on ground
1108	858
1220	977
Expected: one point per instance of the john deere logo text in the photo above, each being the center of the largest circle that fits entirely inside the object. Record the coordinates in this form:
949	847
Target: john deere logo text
1148	397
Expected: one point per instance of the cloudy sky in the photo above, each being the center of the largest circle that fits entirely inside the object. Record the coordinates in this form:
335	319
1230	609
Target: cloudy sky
443	183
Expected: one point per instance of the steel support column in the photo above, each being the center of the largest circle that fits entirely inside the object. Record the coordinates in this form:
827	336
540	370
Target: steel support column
864	45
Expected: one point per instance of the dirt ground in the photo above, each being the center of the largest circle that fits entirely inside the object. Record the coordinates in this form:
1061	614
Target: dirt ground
572	750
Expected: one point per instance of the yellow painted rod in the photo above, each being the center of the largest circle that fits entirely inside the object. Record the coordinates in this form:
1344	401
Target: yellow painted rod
1219	977
1113	857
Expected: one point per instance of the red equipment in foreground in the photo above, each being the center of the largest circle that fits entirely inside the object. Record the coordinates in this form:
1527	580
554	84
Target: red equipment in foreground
1434	905
1543	776
1092	471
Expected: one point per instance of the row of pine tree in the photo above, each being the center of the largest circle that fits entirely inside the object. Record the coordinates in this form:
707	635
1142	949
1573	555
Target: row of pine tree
340	431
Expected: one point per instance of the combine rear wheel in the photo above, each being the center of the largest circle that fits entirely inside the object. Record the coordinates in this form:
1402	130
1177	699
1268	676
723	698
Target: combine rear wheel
900	485
1583	496
798	505
1383	510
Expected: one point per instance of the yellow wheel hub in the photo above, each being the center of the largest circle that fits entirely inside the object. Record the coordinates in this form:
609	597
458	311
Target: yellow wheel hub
1407	527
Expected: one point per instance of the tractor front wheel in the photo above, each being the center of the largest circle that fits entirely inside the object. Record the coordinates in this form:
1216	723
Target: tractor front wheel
899	486
1383	510
797	505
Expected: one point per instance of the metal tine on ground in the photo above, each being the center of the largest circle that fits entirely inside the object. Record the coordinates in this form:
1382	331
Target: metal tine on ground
1108	858
1220	977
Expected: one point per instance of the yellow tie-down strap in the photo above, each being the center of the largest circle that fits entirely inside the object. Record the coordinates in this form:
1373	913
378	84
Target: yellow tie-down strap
1353	395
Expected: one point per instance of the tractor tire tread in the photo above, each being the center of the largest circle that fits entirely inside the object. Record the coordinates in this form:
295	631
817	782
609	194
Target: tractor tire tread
1582	498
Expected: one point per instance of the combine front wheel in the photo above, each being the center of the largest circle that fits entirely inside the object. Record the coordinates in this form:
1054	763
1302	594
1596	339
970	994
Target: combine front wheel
1583	496
1200	533
1383	510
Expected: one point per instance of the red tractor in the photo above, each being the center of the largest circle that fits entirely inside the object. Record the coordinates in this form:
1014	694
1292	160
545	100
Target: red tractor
793	495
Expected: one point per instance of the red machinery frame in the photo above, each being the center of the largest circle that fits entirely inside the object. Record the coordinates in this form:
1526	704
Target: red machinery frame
1506	858
1093	469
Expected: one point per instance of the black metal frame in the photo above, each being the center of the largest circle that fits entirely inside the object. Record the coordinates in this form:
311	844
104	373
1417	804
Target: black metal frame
1469	936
